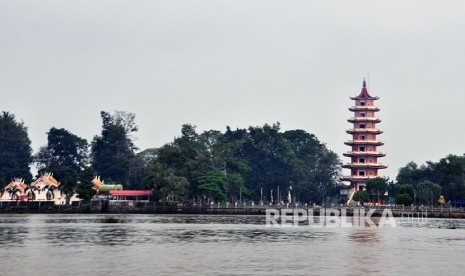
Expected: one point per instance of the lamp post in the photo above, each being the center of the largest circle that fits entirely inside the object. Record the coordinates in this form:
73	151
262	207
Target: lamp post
432	199
240	195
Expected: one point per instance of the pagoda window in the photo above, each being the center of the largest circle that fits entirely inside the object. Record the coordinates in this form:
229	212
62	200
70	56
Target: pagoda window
362	148
362	103
362	125
362	114
361	173
361	160
362	137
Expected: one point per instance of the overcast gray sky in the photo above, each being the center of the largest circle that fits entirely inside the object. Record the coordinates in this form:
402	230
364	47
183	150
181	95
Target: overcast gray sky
239	63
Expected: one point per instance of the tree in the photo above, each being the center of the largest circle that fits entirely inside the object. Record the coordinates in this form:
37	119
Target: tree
315	167
376	187
428	192
270	158
405	189
15	150
448	173
361	196
174	188
66	155
214	186
85	189
139	167
30	190
14	193
248	161
404	199
236	186
411	173
114	150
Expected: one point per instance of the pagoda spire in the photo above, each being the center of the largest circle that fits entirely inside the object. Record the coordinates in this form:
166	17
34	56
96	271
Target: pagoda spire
364	93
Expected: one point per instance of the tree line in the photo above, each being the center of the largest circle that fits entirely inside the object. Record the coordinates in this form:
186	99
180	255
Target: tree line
425	183
212	166
259	163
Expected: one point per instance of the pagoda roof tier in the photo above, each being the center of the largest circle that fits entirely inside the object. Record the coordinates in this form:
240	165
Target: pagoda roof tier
364	108
364	142
364	130
356	177
363	98
364	153
364	165
364	93
17	183
364	119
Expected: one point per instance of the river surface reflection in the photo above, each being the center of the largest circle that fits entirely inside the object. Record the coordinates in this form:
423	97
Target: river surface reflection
222	245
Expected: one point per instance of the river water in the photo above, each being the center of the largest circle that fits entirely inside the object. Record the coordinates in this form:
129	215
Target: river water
37	244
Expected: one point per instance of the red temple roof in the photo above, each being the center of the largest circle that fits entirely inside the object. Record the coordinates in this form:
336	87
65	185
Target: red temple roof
364	93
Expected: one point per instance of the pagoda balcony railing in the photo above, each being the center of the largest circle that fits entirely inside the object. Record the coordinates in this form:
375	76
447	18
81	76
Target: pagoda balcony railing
364	119
364	130
364	165
364	107
356	177
363	142
362	153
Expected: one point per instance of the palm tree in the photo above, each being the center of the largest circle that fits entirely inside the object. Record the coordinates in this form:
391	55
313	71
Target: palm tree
13	191
31	195
49	189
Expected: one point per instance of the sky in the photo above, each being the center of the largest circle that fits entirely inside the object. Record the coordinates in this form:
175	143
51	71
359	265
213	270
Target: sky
239	63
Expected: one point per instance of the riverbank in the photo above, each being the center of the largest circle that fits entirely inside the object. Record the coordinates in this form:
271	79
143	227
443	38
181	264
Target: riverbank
151	208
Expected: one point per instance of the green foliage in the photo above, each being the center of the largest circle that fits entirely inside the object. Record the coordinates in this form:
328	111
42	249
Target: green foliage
411	173
15	150
236	186
361	196
195	167
214	185
220	166
174	188
428	192
85	188
139	168
404	199
66	156
113	150
448	173
376	187
269	157
405	189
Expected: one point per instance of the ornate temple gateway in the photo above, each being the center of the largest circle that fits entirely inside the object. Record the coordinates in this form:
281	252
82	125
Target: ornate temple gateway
364	145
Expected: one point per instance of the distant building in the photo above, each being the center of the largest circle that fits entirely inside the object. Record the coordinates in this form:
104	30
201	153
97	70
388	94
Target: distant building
364	145
16	190
47	188
115	192
44	188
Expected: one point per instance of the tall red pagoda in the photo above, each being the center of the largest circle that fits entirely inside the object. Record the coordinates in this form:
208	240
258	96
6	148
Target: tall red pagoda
364	145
